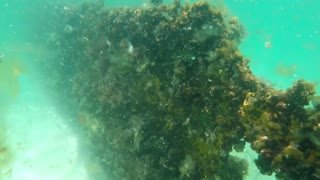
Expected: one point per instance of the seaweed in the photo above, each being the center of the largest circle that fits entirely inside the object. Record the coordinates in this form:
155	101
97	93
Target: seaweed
174	95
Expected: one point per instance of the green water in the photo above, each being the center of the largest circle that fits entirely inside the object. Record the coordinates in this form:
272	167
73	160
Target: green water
292	27
282	42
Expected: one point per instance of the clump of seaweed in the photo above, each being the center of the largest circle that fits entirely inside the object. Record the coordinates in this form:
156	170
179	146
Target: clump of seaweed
175	95
283	131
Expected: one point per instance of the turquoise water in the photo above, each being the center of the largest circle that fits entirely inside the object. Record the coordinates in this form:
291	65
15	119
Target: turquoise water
282	42
292	27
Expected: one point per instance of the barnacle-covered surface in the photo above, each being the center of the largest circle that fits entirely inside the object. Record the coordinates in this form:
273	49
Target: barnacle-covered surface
164	93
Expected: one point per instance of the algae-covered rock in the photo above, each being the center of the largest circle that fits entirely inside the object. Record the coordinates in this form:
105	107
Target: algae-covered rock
172	94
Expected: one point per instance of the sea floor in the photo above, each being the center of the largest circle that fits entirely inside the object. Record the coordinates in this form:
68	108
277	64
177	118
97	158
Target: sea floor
41	143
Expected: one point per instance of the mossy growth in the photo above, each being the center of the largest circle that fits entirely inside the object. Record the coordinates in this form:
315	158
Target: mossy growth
283	131
174	95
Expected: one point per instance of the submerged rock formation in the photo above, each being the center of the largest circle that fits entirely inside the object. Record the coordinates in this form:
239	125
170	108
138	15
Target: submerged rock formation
166	91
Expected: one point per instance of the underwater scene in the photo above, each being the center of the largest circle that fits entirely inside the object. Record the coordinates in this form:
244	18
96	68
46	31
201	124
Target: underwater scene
159	90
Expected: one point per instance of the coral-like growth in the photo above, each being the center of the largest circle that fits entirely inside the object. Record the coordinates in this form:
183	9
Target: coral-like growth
174	95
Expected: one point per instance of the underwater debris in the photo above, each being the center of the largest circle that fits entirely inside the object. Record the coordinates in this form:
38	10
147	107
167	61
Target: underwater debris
286	71
267	44
173	95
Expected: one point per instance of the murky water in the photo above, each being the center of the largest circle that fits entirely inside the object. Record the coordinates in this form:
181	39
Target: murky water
41	139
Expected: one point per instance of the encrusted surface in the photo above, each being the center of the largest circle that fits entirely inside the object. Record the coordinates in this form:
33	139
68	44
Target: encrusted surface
166	90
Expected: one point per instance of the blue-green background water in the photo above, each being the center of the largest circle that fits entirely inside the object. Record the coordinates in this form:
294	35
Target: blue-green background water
291	27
